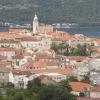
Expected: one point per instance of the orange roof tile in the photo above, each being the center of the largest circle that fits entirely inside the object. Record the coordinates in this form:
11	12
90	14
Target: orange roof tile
5	63
78	58
8	49
18	56
85	98
36	63
96	49
9	41
98	41
28	39
52	64
79	86
62	36
7	35
96	89
40	63
2	57
79	37
67	72
4	33
43	55
21	72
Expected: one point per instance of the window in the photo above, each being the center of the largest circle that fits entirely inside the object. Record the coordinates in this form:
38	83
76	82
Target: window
20	84
3	74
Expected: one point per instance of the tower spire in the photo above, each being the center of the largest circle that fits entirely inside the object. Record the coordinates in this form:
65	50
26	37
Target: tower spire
35	23
35	14
35	17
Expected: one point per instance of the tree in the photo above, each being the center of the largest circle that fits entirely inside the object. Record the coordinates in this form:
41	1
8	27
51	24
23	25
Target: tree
67	50
11	91
53	92
81	50
72	79
20	94
34	85
86	79
1	98
10	85
61	48
65	84
54	47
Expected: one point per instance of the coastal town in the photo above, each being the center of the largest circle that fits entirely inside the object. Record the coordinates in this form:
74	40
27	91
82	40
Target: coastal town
52	56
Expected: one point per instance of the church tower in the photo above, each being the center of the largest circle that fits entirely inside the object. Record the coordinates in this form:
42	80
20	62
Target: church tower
35	24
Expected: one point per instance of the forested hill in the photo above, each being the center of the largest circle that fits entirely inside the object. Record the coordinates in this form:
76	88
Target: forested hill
80	11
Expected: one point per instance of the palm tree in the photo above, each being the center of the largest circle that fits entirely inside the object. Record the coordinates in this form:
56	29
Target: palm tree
64	49
61	48
55	47
67	49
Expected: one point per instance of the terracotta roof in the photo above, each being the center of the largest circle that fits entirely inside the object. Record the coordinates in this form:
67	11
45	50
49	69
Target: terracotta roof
7	35
4	69
70	66
97	41
27	54
78	58
2	57
36	63
52	64
79	86
84	98
21	72
40	63
43	55
62	36
96	89
18	36
96	49
18	56
47	56
5	63
28	39
8	41
80	37
67	72
8	49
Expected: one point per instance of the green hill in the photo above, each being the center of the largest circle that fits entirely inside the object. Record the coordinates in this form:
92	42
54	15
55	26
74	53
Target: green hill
80	11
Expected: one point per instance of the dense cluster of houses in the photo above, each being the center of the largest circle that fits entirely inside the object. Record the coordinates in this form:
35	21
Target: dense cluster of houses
25	55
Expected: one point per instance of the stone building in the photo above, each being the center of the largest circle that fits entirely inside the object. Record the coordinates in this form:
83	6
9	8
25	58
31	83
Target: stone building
4	75
41	28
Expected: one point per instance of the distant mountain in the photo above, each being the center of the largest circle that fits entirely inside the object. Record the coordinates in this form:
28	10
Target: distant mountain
50	11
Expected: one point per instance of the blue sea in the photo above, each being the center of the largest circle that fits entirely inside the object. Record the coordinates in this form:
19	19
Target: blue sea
88	31
3	29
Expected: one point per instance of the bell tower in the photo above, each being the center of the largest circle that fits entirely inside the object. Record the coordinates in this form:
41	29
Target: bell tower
35	24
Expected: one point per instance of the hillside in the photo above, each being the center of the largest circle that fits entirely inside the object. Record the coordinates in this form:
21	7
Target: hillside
81	11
